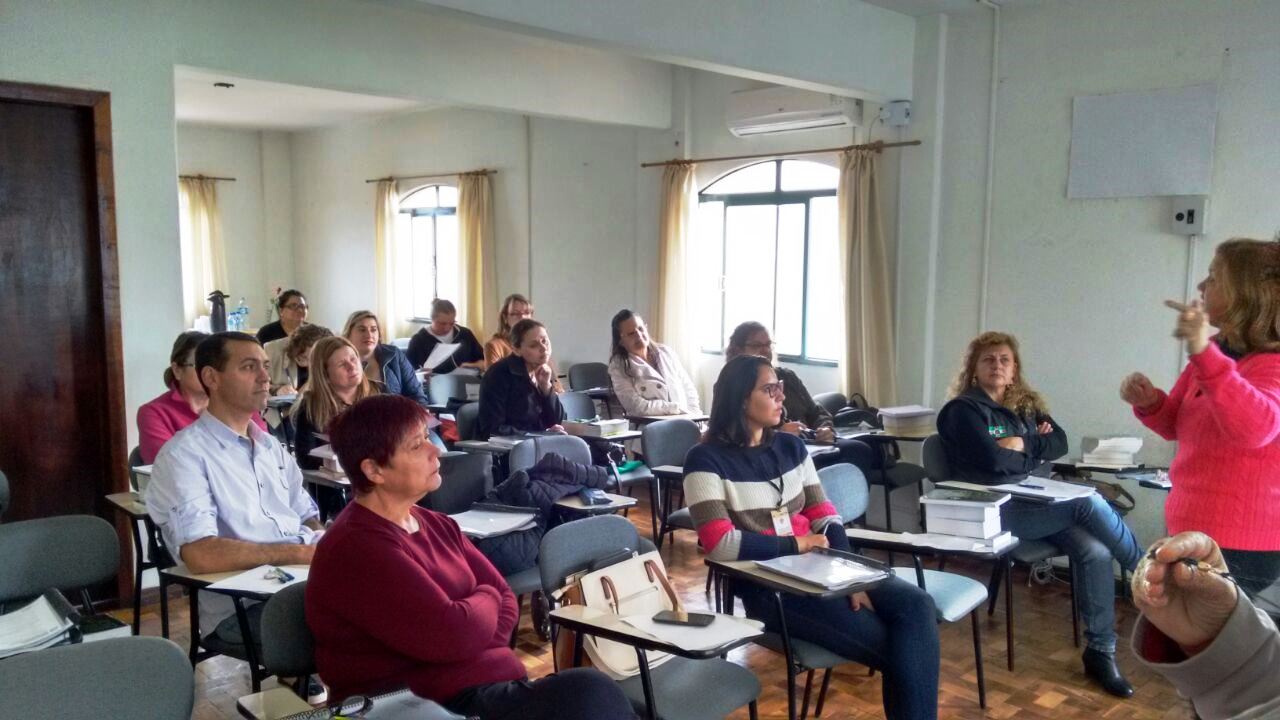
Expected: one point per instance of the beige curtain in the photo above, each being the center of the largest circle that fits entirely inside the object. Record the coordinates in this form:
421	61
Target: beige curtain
204	265
868	363
385	211
475	233
675	224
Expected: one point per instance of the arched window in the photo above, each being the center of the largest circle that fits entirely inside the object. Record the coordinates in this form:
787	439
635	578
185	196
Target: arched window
427	240
767	232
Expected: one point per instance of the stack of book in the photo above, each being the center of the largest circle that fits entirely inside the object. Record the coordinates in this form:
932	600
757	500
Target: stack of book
908	420
1111	451
329	458
966	513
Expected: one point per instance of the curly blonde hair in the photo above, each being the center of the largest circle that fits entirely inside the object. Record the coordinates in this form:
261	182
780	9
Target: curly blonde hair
1249	273
1019	396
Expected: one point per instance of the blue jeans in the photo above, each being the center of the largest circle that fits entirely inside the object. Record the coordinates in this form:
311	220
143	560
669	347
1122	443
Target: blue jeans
1092	534
576	694
900	638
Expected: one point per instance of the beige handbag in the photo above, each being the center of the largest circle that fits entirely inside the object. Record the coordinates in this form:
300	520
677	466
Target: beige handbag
635	586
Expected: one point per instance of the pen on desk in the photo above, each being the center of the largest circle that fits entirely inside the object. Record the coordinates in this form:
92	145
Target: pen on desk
1032	487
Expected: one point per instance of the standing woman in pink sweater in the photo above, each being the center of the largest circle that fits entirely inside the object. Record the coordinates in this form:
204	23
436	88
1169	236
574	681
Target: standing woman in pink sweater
1224	411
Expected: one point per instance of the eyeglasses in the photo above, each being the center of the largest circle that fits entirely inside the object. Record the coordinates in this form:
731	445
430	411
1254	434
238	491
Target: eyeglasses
773	390
296	306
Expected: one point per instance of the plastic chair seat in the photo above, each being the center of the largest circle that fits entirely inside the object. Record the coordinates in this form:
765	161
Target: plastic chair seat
900	475
695	689
954	595
682	519
807	654
525	581
1034	551
631	477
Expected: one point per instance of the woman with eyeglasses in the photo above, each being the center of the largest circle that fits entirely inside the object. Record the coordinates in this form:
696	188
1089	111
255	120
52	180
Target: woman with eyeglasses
181	404
754	495
647	376
398	597
514	309
339	382
801	416
293	307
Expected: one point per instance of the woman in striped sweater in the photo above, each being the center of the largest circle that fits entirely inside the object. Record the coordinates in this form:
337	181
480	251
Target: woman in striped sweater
734	482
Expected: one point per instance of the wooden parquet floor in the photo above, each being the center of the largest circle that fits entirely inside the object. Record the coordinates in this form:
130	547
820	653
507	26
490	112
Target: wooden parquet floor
1048	682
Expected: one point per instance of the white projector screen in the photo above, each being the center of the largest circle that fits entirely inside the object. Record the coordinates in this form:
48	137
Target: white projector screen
1143	144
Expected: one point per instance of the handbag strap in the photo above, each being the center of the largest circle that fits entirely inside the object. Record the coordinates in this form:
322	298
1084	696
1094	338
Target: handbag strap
657	573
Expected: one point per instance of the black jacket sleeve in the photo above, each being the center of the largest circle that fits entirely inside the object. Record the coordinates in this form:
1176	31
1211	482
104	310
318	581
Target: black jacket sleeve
1047	447
969	445
420	346
471	350
800	405
493	402
304	439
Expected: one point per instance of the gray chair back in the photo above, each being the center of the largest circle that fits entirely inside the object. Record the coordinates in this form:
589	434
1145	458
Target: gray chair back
465	478
584	376
528	453
128	677
135	459
443	388
666	442
64	552
846	487
573	546
577	406
831	401
288	647
936	465
466	418
4	493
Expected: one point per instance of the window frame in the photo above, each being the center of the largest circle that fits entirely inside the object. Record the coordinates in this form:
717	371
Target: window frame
775	198
433	213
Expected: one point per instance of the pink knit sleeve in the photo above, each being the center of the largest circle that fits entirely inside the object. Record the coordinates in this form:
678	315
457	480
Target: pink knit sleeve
1246	404
1163	420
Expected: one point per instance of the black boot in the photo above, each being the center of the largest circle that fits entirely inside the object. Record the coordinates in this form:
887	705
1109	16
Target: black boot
1101	667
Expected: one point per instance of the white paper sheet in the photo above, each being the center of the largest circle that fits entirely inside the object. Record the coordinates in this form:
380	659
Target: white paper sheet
35	625
724	629
440	353
489	523
256	580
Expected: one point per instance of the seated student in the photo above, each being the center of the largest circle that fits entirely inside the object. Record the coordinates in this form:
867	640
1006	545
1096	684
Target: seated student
398	597
518	394
514	309
162	417
996	429
445	329
800	414
383	363
1204	635
735	479
224	493
290	358
293	313
647	377
338	384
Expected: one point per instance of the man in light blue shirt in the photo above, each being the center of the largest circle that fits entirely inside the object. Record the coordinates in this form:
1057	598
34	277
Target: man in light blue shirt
226	495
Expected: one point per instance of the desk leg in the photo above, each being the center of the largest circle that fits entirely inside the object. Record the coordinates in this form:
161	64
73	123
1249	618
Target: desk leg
164	606
137	581
786	651
1008	607
194	596
650	702
250	644
654	486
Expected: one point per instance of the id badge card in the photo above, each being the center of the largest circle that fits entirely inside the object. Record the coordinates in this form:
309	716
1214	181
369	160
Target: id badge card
782	522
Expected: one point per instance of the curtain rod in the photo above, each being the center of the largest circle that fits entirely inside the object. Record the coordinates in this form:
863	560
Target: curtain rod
877	146
205	177
482	171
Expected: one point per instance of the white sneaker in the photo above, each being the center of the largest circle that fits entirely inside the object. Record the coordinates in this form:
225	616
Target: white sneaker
317	693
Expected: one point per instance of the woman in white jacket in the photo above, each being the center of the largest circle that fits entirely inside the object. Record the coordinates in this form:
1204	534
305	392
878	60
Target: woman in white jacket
647	377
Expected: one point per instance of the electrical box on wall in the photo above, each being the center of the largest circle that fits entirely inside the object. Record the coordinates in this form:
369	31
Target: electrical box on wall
1187	216
896	113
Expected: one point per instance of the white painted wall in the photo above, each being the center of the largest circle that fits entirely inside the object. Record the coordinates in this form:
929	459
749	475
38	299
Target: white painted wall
846	47
1080	282
255	210
129	48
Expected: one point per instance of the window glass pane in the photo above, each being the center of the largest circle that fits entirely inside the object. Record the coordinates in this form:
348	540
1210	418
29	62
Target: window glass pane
788	306
705	256
424	271
760	177
824	320
448	268
448	196
749	264
424	198
806	175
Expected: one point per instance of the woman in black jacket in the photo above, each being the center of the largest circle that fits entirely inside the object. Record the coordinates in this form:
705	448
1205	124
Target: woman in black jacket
517	395
996	429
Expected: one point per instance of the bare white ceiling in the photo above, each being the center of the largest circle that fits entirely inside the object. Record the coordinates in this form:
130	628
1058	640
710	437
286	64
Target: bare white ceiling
929	7
265	105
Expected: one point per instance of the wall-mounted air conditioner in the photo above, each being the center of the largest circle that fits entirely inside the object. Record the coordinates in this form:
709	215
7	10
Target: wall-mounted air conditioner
783	109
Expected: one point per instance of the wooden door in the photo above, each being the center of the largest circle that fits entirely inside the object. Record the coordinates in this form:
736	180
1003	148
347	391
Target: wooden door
62	424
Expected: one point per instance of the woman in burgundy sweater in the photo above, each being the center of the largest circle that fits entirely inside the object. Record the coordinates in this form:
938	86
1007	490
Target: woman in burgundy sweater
398	597
1224	411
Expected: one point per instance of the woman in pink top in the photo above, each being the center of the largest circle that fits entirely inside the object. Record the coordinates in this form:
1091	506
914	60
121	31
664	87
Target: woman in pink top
178	407
1224	411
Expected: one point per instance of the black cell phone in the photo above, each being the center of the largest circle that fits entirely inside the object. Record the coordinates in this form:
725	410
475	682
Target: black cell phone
679	617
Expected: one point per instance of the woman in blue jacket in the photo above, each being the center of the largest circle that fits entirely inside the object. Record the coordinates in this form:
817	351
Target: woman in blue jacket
384	363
